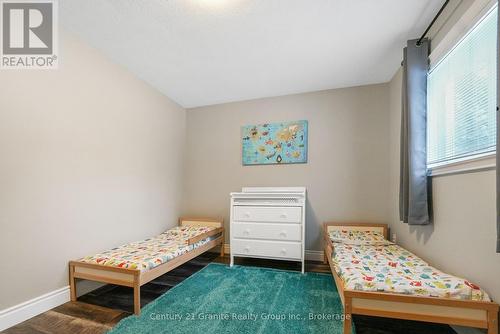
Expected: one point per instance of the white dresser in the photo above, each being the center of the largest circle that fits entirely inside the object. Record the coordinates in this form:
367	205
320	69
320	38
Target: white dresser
268	223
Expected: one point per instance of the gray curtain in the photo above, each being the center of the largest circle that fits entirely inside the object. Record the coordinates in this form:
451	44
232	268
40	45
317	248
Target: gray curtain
414	190
498	135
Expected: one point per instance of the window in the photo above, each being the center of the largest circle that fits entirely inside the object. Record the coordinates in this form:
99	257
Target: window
461	120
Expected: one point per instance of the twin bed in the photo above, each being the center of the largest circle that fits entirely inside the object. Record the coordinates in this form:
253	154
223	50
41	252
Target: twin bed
375	277
138	263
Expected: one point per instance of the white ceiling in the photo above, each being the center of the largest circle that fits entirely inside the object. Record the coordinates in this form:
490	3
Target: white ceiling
202	52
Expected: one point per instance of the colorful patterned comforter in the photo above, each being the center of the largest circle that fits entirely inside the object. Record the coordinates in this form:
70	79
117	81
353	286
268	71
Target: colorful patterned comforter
390	268
150	253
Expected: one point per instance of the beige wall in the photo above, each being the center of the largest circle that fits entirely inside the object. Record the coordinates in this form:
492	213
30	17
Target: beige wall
445	22
91	157
347	172
462	238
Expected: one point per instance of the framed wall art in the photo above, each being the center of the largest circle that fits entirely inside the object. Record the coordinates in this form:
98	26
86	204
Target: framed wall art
274	143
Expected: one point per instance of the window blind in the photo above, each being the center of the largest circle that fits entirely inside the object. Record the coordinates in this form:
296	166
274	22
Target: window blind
461	105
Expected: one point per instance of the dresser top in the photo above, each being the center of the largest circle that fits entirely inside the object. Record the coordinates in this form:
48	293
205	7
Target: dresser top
270	195
272	190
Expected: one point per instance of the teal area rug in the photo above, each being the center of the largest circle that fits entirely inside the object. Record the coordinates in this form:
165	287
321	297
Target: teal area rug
220	299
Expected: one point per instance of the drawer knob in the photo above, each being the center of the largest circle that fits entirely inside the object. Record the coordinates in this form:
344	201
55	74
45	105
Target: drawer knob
246	214
283	251
246	232
283	215
247	249
283	234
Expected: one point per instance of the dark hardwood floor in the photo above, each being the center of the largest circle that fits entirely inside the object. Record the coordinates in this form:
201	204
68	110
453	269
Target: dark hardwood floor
101	309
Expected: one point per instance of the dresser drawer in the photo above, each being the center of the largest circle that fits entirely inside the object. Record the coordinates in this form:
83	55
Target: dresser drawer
267	214
275	249
289	232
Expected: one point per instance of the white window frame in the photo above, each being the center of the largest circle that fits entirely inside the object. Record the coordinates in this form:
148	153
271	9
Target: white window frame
478	162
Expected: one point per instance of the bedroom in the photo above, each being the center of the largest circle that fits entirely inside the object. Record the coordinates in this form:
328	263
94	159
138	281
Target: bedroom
142	118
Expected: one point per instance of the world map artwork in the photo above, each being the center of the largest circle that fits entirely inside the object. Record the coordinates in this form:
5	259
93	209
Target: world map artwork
274	143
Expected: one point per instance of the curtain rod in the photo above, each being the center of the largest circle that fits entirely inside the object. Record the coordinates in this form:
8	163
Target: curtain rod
419	42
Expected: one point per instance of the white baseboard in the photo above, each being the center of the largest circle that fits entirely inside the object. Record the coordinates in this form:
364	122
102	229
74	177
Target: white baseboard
311	255
24	311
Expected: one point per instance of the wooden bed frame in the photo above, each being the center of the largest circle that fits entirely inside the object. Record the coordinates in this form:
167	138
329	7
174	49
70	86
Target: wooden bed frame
134	278
470	313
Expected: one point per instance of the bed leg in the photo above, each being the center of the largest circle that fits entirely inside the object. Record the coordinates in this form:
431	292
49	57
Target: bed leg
137	298
347	316
492	322
72	283
325	258
222	246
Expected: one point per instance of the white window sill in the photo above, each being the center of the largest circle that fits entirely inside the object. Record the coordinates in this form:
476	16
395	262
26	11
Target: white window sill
476	163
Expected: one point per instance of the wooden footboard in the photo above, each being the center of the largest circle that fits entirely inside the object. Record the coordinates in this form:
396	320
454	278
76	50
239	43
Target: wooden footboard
479	314
135	278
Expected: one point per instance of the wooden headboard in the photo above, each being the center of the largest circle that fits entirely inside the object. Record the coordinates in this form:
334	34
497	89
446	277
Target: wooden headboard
188	221
381	228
